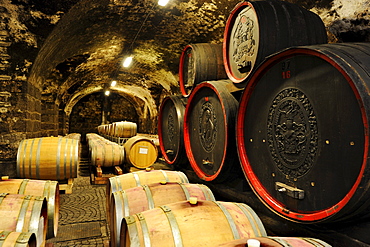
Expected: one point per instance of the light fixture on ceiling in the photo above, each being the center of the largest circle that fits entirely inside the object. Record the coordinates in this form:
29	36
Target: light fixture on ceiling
107	92
113	83
163	2
127	62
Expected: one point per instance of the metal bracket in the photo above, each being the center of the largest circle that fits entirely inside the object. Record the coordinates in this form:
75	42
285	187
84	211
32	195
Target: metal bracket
289	190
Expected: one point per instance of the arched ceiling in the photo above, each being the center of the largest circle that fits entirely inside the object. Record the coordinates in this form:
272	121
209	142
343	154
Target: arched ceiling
84	41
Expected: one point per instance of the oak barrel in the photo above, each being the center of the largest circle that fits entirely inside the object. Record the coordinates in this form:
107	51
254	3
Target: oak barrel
205	223
17	239
48	189
256	29
140	152
200	62
24	213
272	241
125	129
170	130
303	132
104	153
136	200
209	131
54	158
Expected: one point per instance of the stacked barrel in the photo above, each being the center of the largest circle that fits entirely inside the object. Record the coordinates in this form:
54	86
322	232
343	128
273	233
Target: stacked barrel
29	211
294	110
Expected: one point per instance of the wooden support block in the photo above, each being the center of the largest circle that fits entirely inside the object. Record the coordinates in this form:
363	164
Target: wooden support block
66	187
118	170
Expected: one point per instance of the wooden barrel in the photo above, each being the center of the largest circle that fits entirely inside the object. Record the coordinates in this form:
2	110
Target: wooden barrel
186	224
48	189
136	200
125	129
134	179
104	153
303	132
17	239
198	63
54	158
278	242
140	152
170	130
209	132
24	213
257	29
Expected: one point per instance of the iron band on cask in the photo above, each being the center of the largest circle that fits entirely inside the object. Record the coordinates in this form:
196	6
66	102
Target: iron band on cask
170	130
198	63
257	29
17	239
279	242
303	132
209	131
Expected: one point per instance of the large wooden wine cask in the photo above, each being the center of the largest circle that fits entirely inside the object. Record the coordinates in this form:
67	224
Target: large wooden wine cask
17	239
205	223
48	189
209	131
136	200
171	130
270	241
24	213
200	62
256	29
54	158
303	132
140	152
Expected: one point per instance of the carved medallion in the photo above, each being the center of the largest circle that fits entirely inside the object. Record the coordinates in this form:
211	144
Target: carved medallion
292	132
207	126
170	126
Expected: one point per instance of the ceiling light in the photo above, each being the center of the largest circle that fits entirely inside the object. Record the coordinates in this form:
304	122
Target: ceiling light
162	2
107	93
113	83
127	62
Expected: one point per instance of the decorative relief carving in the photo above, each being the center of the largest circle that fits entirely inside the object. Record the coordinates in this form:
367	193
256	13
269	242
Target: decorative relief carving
207	126
292	132
171	126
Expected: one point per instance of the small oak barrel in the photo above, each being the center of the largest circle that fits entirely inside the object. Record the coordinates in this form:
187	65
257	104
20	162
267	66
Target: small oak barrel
187	224
136	200
104	153
209	131
139	178
125	129
48	189
303	132
140	152
198	63
17	239
170	130
54	158
278	242
257	29
24	213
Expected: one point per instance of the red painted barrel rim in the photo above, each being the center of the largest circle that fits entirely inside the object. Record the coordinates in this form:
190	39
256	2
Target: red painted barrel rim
181	70
228	28
189	152
161	144
247	169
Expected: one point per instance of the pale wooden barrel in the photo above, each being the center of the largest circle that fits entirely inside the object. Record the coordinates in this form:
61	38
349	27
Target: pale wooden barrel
125	129
24	213
138	199
104	153
54	158
206	223
279	242
48	189
17	239
134	179
140	152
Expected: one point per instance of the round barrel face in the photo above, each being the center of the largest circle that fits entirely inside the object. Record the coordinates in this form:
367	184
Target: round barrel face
205	132
301	137
170	129
241	42
187	70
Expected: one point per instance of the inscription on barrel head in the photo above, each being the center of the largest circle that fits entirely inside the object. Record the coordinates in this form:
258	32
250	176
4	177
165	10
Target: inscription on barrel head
292	132
207	126
171	126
